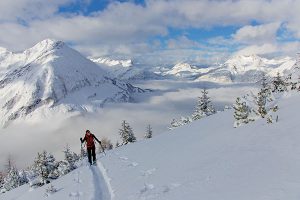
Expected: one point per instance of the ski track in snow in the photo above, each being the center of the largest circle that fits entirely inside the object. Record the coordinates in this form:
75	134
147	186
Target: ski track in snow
105	180
101	191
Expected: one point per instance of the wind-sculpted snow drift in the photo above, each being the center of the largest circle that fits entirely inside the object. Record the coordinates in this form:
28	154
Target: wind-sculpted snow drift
53	78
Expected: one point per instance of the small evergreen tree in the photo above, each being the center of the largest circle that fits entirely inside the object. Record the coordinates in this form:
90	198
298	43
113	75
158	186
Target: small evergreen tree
175	124
261	101
126	133
203	107
45	167
278	84
272	111
241	113
262	98
289	84
182	121
70	160
12	179
148	132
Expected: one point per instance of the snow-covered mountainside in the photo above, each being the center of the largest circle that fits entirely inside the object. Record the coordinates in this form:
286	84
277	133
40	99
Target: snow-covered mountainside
238	69
53	78
207	159
112	62
248	69
185	70
125	70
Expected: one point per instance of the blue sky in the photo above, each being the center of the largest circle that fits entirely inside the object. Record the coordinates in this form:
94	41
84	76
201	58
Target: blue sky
169	31
88	7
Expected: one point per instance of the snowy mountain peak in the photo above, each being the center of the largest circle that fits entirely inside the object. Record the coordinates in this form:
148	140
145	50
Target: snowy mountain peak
44	46
182	67
243	63
49	43
52	77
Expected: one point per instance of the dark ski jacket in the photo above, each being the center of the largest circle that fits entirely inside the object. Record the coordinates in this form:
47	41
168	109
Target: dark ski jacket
89	139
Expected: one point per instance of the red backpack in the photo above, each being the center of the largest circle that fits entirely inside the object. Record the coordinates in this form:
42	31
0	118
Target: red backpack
89	138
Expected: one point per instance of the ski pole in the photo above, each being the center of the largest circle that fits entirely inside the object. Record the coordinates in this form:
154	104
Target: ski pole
102	148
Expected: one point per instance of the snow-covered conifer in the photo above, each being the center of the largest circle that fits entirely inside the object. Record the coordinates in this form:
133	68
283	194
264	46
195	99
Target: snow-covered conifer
272	112
261	101
203	107
174	124
148	133
12	179
289	84
263	97
278	84
241	113
126	133
185	120
45	167
70	159
270	119
182	121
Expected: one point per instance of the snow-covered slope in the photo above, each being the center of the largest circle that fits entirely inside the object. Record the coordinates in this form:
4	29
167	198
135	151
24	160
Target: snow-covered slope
207	159
51	77
237	69
125	70
112	62
185	70
248	69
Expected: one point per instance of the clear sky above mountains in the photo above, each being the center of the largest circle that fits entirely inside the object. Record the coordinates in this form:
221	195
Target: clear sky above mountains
179	30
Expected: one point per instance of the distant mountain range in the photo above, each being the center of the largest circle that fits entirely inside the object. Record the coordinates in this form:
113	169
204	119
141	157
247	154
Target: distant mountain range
245	69
248	69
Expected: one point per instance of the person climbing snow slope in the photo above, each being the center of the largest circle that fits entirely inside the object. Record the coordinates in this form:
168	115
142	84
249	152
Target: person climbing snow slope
90	138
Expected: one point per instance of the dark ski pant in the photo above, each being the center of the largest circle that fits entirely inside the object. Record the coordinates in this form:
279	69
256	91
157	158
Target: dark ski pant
91	153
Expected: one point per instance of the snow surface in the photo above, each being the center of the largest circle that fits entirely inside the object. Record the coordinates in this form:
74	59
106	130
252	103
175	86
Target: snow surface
207	159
